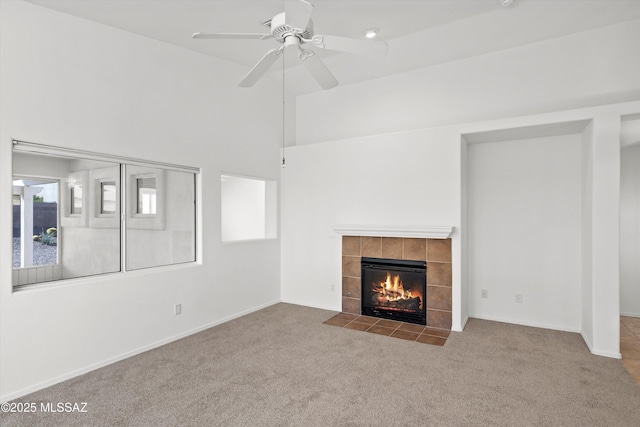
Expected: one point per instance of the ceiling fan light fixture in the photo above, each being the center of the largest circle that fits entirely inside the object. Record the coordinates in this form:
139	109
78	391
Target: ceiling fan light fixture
371	33
294	28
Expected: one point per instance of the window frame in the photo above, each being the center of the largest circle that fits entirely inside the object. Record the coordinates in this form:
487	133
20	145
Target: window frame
91	214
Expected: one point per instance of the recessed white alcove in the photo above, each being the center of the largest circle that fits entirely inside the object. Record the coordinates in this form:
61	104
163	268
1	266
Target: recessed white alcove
248	208
523	214
531	224
630	215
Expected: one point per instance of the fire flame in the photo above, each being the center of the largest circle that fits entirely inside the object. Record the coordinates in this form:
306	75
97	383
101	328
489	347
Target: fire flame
393	289
391	294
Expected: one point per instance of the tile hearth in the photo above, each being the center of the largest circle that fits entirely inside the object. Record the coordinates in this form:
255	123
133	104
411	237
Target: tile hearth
392	328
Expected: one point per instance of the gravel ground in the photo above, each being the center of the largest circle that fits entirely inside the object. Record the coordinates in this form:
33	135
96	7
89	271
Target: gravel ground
42	254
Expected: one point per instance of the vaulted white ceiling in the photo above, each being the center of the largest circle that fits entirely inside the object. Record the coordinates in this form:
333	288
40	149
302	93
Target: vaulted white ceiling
419	33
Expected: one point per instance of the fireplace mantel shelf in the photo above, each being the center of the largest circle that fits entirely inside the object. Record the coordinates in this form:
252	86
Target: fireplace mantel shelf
410	231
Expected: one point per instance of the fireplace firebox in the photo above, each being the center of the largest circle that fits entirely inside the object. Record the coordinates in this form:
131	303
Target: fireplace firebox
394	289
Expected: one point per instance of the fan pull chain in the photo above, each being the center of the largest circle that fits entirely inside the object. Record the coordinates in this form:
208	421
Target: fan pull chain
283	128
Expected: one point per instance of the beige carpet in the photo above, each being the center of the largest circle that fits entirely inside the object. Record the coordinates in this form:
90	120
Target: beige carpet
282	367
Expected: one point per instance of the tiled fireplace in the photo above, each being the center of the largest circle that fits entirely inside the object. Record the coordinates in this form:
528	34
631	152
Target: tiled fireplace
436	252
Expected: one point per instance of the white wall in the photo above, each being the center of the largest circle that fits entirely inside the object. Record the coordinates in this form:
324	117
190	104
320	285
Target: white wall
410	178
69	82
630	231
586	294
605	234
585	69
460	247
524	209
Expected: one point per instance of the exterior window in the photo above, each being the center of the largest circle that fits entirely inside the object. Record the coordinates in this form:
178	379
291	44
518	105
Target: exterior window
35	223
84	233
146	196
108	199
76	199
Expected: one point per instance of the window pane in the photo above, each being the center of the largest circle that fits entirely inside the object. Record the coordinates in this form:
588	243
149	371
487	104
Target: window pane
161	222
38	199
76	199
146	195
108	199
71	244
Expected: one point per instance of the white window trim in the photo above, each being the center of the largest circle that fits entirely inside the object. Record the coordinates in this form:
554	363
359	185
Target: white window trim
31	147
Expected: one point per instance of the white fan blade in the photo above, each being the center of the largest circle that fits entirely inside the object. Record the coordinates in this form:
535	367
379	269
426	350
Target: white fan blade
345	44
261	67
297	14
318	70
223	36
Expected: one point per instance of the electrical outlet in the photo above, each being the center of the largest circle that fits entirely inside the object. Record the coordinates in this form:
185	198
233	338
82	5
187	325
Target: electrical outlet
484	293
333	288
177	310
519	298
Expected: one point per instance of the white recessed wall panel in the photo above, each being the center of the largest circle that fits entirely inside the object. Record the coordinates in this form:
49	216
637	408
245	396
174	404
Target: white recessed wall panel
630	230
524	232
243	202
249	208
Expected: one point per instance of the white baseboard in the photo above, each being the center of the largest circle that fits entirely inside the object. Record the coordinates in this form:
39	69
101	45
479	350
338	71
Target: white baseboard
44	384
627	314
464	323
526	323
312	305
610	354
587	341
595	351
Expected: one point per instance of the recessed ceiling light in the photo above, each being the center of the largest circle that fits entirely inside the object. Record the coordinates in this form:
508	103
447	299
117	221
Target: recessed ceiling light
371	33
506	3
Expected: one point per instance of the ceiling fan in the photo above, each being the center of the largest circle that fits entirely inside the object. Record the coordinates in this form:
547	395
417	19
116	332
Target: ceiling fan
293	29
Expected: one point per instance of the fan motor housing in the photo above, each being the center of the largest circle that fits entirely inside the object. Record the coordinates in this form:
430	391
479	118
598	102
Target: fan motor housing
280	30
